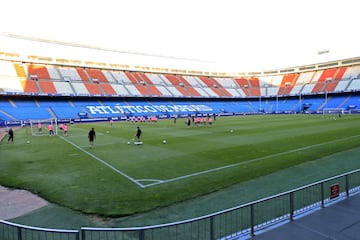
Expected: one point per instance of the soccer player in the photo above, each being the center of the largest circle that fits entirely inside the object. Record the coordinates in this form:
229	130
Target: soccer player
39	127
188	122
51	129
138	134
11	135
210	120
92	136
65	129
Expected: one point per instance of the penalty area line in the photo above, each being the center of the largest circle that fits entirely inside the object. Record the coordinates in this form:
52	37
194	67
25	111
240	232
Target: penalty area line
245	162
103	162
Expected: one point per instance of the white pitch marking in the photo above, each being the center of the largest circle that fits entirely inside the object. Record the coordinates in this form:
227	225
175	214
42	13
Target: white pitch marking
103	162
245	162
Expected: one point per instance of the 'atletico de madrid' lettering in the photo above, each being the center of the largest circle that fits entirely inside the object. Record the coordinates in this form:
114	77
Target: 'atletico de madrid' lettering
148	109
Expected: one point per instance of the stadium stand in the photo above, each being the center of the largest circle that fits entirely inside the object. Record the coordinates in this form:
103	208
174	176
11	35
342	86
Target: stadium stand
74	88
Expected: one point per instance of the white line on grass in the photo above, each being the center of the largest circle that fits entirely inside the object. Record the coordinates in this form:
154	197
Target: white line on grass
245	162
103	162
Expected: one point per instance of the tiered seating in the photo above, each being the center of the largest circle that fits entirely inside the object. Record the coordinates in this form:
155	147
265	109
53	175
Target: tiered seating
69	74
29	86
348	81
63	88
159	83
76	77
20	70
47	87
330	85
120	90
39	71
121	77
316	103
53	73
155	79
6	117
142	78
138	83
302	81
166	86
80	88
352	101
40	74
307	89
9	80
244	85
287	83
149	84
25	110
354	85
269	85
352	72
117	80
42	78
230	85
195	87
109	77
215	86
251	86
179	84
60	108
108	89
93	88
254	89
96	75
83	74
336	102
326	76
134	91
133	77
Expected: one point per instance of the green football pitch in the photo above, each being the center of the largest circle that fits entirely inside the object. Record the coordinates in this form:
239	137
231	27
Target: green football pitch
116	178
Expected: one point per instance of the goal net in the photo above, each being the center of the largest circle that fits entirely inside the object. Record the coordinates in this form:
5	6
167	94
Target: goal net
44	127
333	111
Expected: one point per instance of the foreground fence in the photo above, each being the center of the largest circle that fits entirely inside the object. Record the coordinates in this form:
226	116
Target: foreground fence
241	221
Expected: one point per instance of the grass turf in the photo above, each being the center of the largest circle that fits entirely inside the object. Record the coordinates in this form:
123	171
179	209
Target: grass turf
117	179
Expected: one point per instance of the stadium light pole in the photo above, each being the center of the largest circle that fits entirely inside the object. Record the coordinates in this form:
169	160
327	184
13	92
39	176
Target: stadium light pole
300	99
260	102
326	93
260	108
326	99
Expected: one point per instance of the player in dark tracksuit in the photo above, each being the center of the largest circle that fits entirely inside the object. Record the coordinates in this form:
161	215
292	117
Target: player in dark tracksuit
11	135
92	136
138	134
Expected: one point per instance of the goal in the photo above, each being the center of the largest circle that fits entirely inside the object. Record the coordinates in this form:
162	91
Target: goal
39	127
333	111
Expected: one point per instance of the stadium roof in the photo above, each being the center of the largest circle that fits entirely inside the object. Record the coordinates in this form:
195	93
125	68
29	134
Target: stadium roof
223	35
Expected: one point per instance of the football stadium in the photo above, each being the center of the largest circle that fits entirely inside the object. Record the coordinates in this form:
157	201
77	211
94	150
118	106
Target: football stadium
100	143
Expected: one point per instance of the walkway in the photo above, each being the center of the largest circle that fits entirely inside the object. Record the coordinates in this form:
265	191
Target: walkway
340	221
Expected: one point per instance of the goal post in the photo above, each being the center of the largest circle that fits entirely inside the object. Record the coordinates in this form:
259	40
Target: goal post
40	127
333	111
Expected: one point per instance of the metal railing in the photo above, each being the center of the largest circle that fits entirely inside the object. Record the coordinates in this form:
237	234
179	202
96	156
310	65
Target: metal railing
13	231
241	221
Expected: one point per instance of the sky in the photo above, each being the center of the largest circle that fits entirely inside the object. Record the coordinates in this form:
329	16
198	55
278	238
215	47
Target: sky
231	34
